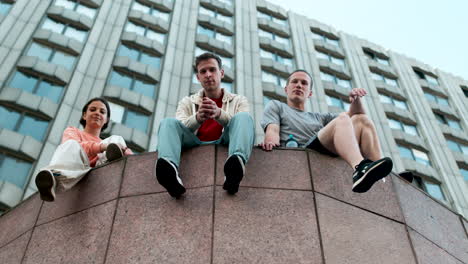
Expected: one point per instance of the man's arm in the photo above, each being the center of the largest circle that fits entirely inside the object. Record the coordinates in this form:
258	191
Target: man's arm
185	115
356	106
272	137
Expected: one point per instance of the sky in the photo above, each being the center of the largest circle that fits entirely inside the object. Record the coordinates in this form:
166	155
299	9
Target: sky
434	32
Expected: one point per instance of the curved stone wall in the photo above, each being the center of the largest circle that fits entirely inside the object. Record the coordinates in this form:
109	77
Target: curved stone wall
294	206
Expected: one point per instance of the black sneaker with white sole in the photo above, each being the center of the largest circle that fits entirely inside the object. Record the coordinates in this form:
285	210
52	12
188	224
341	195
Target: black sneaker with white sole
168	176
113	152
234	170
45	182
369	172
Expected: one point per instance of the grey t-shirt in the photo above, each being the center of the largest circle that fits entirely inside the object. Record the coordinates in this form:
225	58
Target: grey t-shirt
302	125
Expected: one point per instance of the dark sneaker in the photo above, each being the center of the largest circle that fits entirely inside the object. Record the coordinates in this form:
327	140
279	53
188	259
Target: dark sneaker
45	182
113	152
369	172
407	175
234	170
168	176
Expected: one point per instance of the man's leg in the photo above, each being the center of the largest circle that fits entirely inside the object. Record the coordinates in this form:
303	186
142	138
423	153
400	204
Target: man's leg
339	137
172	136
240	135
342	137
366	136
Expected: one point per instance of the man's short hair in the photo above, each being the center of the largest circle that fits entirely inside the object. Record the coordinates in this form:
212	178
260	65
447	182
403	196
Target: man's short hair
304	71
207	56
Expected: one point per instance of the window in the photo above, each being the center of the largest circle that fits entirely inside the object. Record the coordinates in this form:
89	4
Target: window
410	129
430	79
64	29
390	100
273	78
415	155
464	173
145	31
226	61
23	123
447	121
133	84
373	56
280	21
77	6
273	36
457	147
465	90
276	57
387	80
327	39
140	56
214	34
436	99
36	85
432	188
13	170
331	58
51	55
335	79
266	100
215	14
129	118
5	7
334	101
150	10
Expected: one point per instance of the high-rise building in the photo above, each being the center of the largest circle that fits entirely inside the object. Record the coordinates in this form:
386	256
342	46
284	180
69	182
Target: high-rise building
57	54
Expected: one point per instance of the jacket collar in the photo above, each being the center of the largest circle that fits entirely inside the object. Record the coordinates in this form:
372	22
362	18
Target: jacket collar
197	97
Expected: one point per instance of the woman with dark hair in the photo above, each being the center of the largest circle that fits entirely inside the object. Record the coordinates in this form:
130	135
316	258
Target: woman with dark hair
81	150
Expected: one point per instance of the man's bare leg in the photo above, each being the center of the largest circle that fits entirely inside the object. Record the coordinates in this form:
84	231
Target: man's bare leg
339	137
366	136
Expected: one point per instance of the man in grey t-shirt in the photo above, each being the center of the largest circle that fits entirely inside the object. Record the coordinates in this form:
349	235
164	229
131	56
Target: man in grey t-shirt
350	135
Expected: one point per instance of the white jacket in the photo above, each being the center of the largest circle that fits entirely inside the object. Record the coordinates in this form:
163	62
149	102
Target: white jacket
188	107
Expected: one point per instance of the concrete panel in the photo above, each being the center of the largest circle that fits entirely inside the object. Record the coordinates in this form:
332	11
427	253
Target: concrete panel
19	220
163	230
14	251
333	177
429	253
62	241
270	169
265	226
196	170
432	220
352	235
99	186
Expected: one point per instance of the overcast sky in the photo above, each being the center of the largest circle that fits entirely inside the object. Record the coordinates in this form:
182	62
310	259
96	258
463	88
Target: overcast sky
432	31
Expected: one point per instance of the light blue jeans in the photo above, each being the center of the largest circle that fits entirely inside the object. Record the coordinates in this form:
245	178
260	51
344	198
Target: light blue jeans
239	134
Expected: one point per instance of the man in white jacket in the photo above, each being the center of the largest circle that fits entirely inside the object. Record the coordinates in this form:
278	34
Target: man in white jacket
211	116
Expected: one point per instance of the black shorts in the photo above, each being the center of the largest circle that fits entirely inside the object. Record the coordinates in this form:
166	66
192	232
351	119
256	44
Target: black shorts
317	146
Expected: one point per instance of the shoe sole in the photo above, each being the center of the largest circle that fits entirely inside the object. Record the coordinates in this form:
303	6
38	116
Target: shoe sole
45	186
167	177
113	152
379	171
234	173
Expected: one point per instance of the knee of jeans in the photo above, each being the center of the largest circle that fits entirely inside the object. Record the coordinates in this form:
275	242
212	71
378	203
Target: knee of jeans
170	122
242	116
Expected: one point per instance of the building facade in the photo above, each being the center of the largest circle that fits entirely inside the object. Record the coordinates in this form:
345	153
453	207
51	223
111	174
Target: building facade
57	54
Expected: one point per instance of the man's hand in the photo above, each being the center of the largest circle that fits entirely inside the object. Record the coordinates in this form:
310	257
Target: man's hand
356	93
207	110
272	138
268	146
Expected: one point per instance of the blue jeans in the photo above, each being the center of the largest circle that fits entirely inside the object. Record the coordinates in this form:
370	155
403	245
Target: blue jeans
239	134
